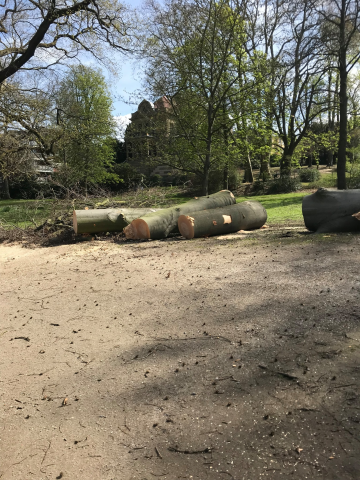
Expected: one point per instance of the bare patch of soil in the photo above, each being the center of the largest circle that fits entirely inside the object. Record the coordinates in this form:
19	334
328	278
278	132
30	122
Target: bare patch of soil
225	358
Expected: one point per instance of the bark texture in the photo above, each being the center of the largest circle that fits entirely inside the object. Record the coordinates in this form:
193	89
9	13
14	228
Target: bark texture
230	219
160	224
327	211
106	220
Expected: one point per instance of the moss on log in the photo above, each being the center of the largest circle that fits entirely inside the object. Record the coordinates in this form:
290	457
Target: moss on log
160	224
230	219
328	211
106	220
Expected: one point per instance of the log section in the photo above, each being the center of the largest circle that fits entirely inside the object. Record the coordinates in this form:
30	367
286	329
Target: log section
160	224
230	219
106	220
327	211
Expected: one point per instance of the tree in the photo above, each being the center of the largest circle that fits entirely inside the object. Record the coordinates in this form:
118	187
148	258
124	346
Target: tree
299	85
193	55
87	147
26	134
341	28
38	34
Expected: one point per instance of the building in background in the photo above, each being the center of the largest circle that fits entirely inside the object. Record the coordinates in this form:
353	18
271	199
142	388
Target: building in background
150	125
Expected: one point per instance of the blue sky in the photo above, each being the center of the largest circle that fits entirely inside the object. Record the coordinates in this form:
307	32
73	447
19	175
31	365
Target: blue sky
128	80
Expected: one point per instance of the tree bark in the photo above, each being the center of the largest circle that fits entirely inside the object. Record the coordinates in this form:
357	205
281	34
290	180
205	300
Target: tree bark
230	219
327	211
343	99
248	176
160	224
265	172
106	220
285	165
330	156
6	188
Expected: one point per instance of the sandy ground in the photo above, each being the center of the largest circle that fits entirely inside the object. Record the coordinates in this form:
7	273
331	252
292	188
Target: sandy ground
207	359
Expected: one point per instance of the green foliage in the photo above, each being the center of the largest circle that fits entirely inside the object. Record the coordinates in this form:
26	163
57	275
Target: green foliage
309	175
29	186
284	184
156	180
197	64
129	176
217	180
353	178
87	149
327	180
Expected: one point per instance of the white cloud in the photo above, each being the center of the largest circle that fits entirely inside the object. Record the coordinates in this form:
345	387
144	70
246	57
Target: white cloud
122	121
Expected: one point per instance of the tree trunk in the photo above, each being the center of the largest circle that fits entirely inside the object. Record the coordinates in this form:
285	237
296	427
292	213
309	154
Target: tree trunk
327	211
341	164
248	176
285	165
226	177
330	156
106	220
205	181
230	219
160	224
310	160
6	188
265	172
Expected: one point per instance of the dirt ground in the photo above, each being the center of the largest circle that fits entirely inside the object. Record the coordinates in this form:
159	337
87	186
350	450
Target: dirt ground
234	358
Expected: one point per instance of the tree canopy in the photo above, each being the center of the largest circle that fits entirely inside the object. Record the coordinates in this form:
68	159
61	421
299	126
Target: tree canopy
84	105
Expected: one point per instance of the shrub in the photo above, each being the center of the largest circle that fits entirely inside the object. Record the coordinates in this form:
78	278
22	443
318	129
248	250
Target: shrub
216	179
180	179
309	175
326	180
283	185
28	187
128	174
156	180
353	181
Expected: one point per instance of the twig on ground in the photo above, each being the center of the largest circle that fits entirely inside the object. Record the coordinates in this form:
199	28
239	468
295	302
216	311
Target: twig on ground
190	452
158	453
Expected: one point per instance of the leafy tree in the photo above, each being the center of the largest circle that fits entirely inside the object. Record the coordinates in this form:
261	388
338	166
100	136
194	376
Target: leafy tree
194	52
87	147
26	133
340	22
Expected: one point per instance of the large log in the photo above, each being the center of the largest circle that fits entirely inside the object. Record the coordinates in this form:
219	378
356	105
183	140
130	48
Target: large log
327	211
242	216
106	220
160	224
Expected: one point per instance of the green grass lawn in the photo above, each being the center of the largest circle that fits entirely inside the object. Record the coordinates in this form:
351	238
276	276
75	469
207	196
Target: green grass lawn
281	208
31	213
25	213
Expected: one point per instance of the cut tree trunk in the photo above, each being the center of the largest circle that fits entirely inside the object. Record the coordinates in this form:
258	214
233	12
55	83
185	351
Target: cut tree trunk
327	211
160	224
106	220
242	216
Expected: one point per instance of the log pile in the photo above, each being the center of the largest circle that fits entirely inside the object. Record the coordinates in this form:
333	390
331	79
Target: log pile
200	217
158	225
327	211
